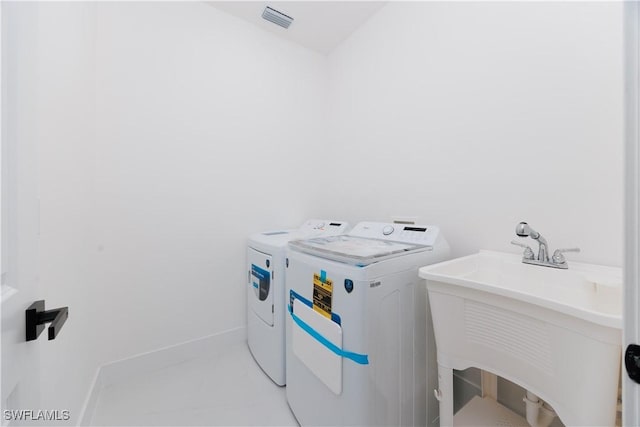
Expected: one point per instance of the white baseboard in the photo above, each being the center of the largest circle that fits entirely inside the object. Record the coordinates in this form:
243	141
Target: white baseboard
158	359
119	370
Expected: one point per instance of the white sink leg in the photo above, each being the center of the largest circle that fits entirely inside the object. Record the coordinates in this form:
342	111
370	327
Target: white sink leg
445	388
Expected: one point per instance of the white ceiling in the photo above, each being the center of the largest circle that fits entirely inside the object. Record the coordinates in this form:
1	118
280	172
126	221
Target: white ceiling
318	25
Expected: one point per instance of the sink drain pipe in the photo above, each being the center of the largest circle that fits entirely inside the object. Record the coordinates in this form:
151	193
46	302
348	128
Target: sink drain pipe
539	413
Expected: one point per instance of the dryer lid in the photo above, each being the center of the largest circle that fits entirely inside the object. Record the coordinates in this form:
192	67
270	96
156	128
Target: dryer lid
355	250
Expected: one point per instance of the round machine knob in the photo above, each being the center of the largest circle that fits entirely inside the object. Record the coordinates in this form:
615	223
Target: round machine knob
387	230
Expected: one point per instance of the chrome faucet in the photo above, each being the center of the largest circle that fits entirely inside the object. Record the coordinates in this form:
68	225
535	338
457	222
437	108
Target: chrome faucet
557	260
524	230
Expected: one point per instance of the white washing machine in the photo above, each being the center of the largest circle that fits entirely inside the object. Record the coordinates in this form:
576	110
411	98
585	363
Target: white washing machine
266	303
356	326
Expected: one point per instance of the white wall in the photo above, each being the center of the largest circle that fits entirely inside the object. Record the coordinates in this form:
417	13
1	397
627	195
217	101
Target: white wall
475	116
203	121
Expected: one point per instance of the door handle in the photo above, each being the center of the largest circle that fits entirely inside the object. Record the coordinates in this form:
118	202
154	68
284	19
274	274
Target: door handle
36	317
632	362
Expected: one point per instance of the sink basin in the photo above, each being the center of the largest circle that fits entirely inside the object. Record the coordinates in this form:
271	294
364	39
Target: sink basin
588	292
557	333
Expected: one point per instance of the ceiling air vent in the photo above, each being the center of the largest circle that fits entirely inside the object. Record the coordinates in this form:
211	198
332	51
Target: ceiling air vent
276	17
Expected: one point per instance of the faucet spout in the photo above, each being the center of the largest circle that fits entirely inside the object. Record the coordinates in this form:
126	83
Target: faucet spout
524	230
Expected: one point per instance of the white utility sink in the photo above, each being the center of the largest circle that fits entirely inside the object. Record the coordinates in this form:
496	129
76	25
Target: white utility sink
589	292
555	332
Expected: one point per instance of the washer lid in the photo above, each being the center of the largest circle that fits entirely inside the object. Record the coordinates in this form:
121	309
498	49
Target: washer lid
355	250
276	239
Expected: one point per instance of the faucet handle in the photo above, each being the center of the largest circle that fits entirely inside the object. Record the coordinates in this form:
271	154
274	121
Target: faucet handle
558	257
528	252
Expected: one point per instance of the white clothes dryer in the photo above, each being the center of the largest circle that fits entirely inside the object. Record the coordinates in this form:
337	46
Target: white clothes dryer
266	303
357	326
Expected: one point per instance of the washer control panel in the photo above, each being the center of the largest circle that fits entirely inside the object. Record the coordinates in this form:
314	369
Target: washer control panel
410	233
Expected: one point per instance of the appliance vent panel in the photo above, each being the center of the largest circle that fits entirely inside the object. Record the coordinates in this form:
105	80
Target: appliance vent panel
277	17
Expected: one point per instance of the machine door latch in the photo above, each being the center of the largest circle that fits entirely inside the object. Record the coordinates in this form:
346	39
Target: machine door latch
36	318
632	362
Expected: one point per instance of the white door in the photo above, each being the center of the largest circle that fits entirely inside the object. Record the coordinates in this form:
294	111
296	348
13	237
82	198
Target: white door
19	232
631	388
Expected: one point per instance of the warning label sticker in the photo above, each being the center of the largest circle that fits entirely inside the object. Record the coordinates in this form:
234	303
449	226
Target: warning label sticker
322	294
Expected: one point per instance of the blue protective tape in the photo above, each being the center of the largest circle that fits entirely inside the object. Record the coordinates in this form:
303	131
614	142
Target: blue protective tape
361	359
323	276
259	272
294	295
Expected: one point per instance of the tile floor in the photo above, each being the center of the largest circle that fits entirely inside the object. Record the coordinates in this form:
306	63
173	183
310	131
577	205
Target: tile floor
224	389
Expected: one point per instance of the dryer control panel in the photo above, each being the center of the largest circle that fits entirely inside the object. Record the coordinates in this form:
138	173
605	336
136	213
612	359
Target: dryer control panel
321	227
410	233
